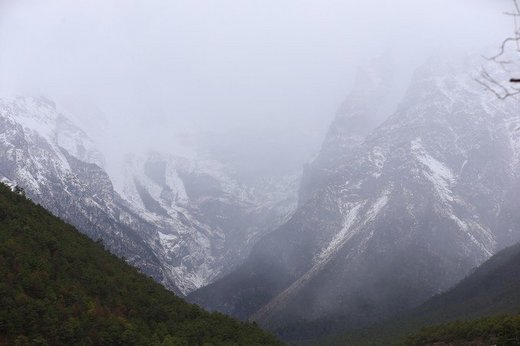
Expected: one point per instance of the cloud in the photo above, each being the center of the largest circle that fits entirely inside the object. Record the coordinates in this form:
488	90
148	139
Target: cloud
158	68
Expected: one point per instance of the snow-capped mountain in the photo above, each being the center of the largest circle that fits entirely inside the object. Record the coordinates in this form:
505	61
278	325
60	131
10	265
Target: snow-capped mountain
385	81
183	221
408	211
208	219
58	167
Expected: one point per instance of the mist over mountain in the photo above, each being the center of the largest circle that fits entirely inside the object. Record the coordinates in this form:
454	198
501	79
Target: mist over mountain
184	221
160	70
401	212
313	167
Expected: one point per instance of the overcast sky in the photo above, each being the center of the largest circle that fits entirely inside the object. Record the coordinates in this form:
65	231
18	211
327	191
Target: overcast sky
160	68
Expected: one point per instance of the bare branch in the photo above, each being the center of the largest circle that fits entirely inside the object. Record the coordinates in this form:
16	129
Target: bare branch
503	61
503	47
495	87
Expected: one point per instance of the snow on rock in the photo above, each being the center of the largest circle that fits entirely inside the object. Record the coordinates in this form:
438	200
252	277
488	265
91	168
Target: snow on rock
344	234
208	219
184	221
378	205
392	213
55	163
437	172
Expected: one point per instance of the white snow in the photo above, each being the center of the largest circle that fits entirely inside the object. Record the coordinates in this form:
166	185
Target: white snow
35	115
176	184
436	172
42	122
77	143
467	229
8	182
167	238
343	235
462	167
377	157
378	205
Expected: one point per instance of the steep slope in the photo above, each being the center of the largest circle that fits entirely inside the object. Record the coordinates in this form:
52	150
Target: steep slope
491	289
377	90
183	221
421	201
43	152
59	287
209	219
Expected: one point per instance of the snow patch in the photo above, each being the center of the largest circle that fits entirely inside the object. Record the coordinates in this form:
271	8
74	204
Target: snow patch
378	205
466	228
436	172
343	235
36	115
8	182
377	157
166	239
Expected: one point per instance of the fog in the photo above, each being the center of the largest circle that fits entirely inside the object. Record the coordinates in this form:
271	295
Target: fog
164	74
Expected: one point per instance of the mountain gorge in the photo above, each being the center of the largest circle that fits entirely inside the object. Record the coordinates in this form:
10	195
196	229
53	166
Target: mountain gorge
208	220
235	173
416	184
182	221
389	215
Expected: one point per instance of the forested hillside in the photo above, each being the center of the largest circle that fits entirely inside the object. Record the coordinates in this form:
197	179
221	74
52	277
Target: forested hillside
497	330
58	287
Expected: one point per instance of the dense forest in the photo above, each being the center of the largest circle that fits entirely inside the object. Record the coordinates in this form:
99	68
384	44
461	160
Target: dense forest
57	287
497	330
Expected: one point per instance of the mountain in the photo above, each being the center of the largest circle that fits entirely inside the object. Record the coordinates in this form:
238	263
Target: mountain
406	213
208	218
58	166
183	221
493	288
59	287
483	303
385	81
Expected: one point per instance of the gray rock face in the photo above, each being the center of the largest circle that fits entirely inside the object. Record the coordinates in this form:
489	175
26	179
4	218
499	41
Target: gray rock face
208	219
377	91
409	210
183	222
33	155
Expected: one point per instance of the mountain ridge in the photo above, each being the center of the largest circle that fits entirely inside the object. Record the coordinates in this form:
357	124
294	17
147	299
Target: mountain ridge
182	221
405	215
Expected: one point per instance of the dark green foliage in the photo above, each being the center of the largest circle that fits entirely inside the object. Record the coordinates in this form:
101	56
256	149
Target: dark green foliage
57	287
498	330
